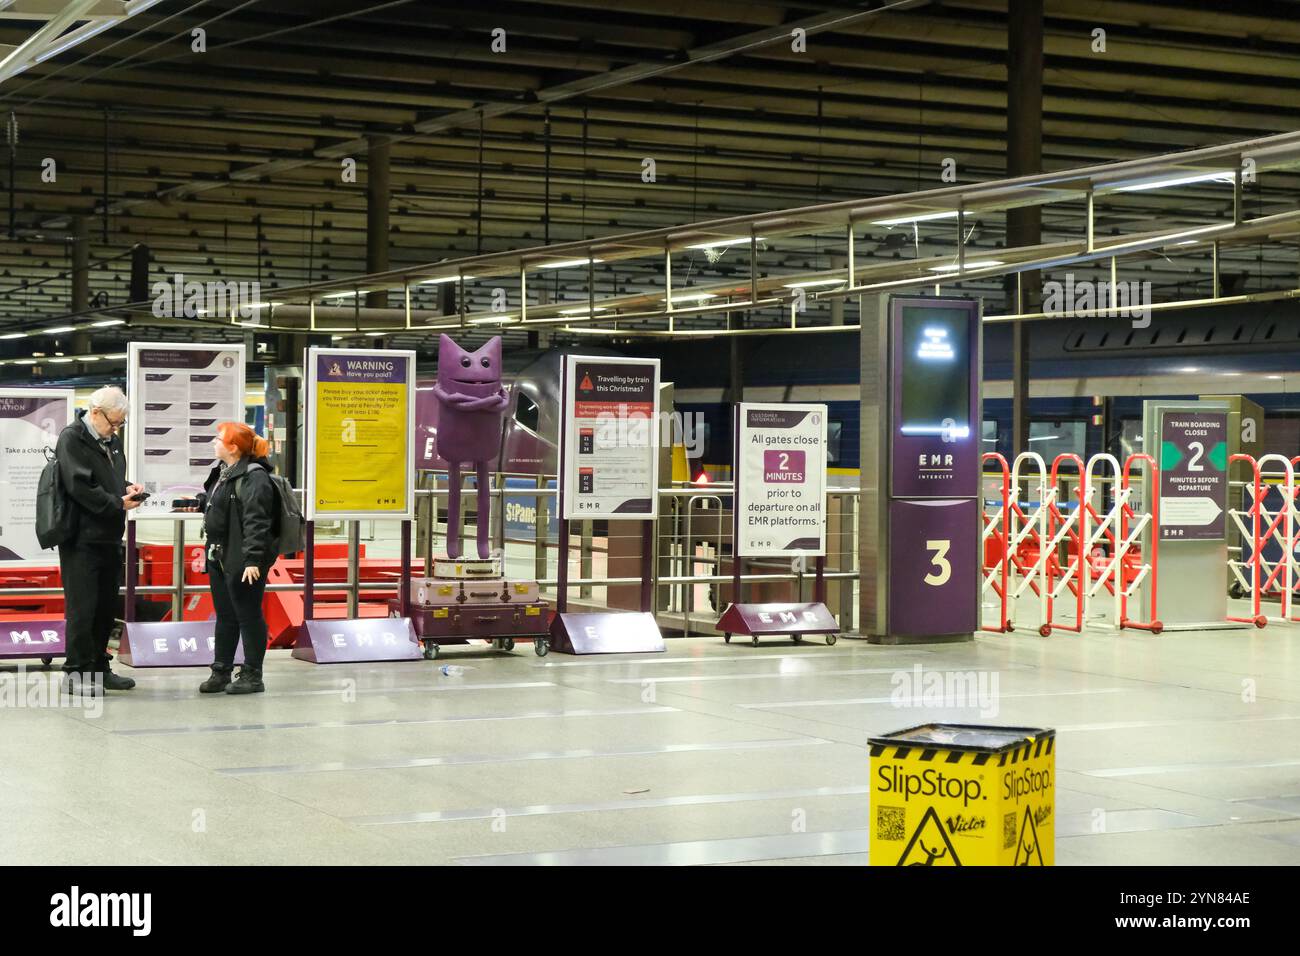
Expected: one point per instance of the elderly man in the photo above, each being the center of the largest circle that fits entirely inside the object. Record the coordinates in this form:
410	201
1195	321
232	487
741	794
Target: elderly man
93	469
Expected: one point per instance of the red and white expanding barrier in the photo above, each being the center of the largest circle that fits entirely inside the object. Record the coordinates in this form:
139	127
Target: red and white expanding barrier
1022	545
1261	528
993	545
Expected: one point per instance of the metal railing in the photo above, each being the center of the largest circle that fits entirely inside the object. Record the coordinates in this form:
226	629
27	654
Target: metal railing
675	563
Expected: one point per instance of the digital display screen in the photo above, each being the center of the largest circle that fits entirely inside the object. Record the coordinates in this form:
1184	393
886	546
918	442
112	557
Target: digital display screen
936	372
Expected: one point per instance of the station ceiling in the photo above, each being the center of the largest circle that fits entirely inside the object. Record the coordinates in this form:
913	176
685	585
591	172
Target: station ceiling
228	163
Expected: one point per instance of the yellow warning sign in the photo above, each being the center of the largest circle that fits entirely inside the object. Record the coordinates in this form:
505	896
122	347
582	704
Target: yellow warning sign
963	795
929	845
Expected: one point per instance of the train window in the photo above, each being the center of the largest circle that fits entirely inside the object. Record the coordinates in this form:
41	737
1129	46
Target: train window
834	433
527	413
1052	438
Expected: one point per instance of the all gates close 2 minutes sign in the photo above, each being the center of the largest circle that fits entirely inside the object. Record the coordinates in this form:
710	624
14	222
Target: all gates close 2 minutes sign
781	479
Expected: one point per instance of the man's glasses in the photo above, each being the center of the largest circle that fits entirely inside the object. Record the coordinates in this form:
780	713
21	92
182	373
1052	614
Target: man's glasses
115	425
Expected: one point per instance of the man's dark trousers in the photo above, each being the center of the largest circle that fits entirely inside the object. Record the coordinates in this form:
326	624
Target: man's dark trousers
91	576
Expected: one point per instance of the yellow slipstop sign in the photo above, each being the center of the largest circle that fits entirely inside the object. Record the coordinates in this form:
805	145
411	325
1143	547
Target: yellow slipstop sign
963	795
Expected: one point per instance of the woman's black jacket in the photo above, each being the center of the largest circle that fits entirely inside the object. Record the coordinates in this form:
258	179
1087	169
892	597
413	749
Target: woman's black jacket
239	507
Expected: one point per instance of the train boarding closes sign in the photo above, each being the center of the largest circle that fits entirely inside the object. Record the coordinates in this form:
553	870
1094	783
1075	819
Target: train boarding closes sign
1193	474
781	480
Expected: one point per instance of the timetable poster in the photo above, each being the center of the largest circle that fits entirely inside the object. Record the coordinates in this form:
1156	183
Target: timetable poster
610	436
179	395
30	422
781	480
361	434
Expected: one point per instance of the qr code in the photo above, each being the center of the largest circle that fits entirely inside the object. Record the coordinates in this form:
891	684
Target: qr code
889	823
1008	831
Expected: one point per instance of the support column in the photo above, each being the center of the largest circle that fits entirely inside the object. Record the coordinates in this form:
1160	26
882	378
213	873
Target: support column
80	279
736	359
1024	156
377	196
837	305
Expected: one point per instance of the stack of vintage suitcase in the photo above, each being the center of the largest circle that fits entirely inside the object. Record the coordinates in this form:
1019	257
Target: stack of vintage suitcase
471	599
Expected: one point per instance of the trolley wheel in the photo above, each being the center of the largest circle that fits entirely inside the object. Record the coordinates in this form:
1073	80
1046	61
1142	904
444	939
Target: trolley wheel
1261	621
1235	590
1157	627
508	644
47	661
753	642
1010	627
541	646
1045	630
798	638
431	651
831	639
726	638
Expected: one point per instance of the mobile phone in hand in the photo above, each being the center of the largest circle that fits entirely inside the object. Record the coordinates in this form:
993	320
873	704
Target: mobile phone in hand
142	496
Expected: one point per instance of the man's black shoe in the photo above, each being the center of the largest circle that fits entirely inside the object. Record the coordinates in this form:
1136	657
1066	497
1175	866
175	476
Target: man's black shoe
80	683
115	682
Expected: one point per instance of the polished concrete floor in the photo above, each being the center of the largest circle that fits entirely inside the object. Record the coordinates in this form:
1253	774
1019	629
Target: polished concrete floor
1177	749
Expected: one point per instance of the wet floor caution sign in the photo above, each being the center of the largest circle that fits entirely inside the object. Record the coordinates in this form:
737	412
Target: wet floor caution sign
963	795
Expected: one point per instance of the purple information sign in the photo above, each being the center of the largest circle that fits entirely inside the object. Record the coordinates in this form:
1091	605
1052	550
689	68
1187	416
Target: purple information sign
617	632
778	619
1193	474
32	639
354	641
933	573
170	644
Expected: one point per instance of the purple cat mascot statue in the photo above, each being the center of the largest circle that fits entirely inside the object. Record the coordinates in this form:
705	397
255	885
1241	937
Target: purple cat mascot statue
471	400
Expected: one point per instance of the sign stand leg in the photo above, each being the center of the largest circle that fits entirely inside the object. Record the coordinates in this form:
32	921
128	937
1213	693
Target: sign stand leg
404	582
309	572
562	566
132	574
647	565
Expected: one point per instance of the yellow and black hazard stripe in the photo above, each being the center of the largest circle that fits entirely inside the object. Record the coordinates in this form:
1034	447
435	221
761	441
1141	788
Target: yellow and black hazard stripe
1032	749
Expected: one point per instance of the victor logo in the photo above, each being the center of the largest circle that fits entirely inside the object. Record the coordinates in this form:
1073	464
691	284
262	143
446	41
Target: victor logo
96	910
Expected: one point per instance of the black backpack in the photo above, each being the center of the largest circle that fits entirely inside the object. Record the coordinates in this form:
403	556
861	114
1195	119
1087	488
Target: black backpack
289	527
55	517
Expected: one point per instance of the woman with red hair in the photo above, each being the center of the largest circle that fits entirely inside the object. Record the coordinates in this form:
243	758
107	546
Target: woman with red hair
239	508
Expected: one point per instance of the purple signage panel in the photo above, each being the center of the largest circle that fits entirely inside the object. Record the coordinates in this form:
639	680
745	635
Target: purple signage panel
33	639
933	574
171	644
778	619
1193	474
614	632
934	400
358	640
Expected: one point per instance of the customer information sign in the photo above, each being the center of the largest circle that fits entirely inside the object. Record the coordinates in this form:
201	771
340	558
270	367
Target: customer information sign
30	422
179	393
781	479
360	434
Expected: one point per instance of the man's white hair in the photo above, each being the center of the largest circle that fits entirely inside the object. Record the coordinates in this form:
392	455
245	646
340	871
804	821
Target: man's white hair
110	398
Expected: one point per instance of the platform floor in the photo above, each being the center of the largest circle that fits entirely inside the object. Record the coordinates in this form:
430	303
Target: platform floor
1178	749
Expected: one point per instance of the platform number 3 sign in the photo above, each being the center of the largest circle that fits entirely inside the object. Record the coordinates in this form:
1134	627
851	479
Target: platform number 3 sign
940	547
